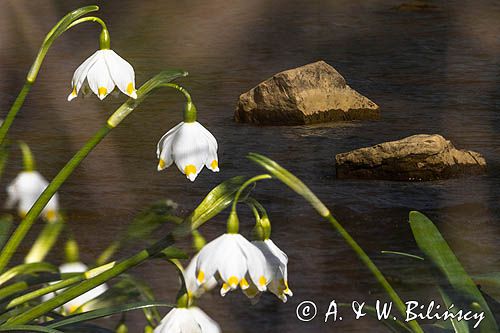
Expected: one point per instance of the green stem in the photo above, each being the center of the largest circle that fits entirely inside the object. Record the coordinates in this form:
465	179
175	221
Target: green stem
21	231
18	103
245	185
55	32
233	222
87	285
190	113
104	38
375	271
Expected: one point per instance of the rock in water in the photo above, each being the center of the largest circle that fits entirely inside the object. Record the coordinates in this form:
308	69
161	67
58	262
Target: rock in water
418	157
309	94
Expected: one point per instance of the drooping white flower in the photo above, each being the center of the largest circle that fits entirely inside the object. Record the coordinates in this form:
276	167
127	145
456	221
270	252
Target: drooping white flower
25	189
276	268
103	70
191	146
237	262
78	302
187	320
193	288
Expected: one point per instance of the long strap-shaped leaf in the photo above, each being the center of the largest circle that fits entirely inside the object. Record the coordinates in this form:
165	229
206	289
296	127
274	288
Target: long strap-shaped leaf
433	245
29	328
95	314
26	269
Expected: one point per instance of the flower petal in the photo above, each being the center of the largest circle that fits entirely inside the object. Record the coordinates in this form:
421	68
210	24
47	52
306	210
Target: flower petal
81	73
190	150
122	73
99	79
207	324
256	264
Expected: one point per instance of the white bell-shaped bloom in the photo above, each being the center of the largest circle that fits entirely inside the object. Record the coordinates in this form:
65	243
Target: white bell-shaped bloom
103	71
237	262
191	146
276	268
193	288
80	301
25	189
187	320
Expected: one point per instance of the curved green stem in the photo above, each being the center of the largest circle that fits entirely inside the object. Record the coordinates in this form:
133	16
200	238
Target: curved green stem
104	38
55	32
233	222
124	110
190	113
245	185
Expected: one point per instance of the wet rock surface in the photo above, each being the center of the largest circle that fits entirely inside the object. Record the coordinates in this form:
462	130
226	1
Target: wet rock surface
416	158
312	93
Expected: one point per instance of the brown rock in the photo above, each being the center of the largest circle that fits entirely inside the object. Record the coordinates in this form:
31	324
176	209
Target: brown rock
309	94
418	157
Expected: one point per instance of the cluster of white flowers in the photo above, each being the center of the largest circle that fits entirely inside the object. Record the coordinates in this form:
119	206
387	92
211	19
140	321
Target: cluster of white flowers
230	259
235	262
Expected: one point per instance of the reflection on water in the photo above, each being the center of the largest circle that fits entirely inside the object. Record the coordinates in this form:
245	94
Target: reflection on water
431	72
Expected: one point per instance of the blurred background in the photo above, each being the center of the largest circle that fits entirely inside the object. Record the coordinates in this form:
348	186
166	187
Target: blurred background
431	70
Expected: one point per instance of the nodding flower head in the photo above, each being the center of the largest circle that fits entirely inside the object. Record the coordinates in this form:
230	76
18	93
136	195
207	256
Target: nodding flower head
191	146
237	262
276	269
25	189
103	71
187	320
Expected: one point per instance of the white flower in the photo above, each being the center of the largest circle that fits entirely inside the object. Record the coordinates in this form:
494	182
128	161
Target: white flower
25	189
76	303
103	70
191	146
276	268
187	320
193	288
237	262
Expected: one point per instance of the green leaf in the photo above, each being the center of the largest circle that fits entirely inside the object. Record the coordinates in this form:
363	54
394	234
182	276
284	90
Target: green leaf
29	328
27	269
216	201
435	248
95	314
458	326
5	226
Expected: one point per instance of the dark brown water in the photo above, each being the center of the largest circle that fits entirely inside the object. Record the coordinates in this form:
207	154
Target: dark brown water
431	72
